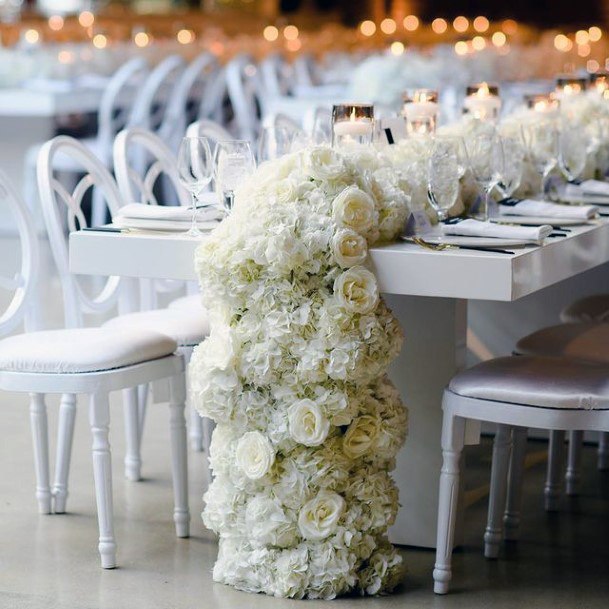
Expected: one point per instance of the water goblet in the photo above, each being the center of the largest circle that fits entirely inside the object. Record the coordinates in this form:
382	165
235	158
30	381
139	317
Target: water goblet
443	176
234	161
541	145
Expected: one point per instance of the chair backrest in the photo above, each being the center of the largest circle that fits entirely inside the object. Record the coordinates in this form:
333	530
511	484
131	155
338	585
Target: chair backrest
151	102
243	91
304	71
160	162
214	96
283	121
23	283
61	207
188	92
117	101
271	72
209	129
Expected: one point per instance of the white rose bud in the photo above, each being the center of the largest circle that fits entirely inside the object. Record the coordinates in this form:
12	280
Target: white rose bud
356	290
354	209
319	516
361	436
254	455
307	423
349	248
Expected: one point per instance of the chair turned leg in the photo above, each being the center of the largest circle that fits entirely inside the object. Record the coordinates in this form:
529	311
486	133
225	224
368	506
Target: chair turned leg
453	436
99	419
511	517
133	459
572	477
603	451
497	497
142	401
179	456
65	435
208	428
196	430
40	438
553	485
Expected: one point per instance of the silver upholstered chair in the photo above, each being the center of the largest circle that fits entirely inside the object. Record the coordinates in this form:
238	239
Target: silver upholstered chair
515	393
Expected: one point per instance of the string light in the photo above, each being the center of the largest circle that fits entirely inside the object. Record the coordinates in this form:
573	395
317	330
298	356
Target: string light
388	26
595	33
439	25
582	37
562	43
411	23
367	28
481	24
397	48
86	19
461	24
290	32
499	39
270	33
56	22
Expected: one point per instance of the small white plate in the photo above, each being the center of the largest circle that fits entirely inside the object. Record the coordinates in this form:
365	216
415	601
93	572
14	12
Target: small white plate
539	220
474	241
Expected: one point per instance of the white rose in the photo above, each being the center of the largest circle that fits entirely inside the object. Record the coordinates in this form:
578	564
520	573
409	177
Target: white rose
349	248
361	436
307	423
319	516
254	455
354	209
324	163
356	290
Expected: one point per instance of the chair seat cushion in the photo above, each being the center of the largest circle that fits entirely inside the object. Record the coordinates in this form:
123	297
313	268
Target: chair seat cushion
536	381
81	350
586	341
191	303
185	327
591	308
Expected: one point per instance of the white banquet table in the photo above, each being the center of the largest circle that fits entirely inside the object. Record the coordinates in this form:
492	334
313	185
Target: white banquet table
428	292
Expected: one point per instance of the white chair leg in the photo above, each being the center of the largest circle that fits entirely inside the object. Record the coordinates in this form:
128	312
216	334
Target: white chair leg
65	434
133	460
553	485
179	456
99	419
603	451
497	497
572	477
40	438
453	436
196	431
208	428
511	517
142	401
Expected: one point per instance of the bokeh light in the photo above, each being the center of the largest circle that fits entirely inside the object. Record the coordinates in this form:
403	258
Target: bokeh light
461	24
481	24
270	33
86	19
367	28
411	23
499	39
397	48
388	26
290	32
439	25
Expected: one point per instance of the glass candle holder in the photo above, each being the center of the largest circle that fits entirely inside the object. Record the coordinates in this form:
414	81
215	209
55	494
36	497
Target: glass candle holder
599	82
567	86
482	101
352	123
542	103
420	110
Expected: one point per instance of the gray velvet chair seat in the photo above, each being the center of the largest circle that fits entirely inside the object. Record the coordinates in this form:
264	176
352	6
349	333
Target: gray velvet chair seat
537	381
588	342
590	308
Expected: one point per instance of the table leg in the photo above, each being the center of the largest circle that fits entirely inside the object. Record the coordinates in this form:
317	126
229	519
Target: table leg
434	350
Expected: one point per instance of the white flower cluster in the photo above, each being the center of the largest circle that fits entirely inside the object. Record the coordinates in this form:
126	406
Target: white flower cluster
294	376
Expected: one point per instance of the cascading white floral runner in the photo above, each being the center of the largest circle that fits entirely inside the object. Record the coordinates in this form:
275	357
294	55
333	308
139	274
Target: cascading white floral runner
294	375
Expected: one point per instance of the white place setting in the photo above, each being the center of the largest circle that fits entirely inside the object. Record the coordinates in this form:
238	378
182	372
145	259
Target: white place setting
366	268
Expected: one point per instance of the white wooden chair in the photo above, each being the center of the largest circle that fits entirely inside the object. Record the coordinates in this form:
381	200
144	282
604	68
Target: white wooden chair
89	361
189	90
244	94
114	110
515	393
213	131
134	187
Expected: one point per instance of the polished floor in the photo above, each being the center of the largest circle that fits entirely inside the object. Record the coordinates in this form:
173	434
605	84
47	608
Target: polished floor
51	561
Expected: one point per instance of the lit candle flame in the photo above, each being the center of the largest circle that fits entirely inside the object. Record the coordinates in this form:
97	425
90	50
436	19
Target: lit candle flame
352	116
483	90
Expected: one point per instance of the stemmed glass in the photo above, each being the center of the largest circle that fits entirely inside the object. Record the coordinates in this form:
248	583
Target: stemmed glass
510	174
195	169
541	144
234	162
572	151
485	156
443	176
273	143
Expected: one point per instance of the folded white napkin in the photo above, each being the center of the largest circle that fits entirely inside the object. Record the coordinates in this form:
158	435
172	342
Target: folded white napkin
49	85
161	217
529	207
595	187
475	228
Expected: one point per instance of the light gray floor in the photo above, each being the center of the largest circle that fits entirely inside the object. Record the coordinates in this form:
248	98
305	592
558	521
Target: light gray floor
52	561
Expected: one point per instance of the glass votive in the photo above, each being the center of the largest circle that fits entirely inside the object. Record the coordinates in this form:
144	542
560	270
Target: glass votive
352	123
599	81
420	110
542	103
482	101
570	85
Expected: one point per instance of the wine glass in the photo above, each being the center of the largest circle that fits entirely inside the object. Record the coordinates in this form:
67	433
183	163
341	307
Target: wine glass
572	151
443	176
541	144
510	174
234	162
456	142
274	141
485	157
195	169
